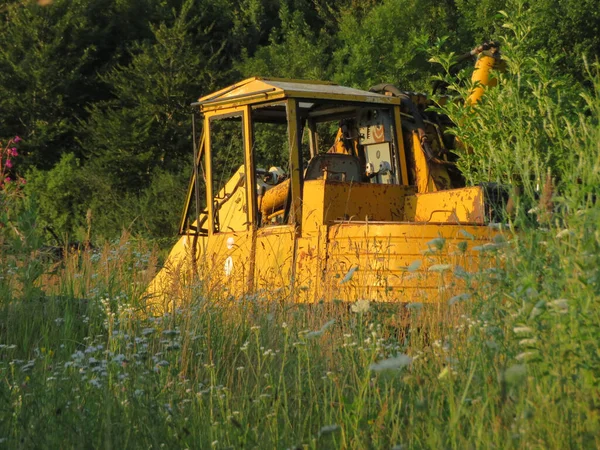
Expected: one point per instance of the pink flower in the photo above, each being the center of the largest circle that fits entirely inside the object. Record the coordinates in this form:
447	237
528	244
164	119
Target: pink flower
22	181
16	139
7	180
8	163
13	151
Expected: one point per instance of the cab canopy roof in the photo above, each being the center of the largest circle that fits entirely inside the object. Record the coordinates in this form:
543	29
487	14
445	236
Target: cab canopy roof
258	90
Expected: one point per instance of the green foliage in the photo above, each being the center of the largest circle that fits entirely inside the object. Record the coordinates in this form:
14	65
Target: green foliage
537	126
147	123
111	82
564	29
50	59
514	363
389	44
63	195
69	206
294	51
517	362
19	236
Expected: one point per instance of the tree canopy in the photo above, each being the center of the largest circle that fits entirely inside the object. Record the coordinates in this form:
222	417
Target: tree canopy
99	90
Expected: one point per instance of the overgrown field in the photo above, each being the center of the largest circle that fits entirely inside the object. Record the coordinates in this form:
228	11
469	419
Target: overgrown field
516	365
512	363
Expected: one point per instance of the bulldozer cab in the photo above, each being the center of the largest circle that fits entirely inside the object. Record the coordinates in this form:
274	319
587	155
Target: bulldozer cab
263	139
297	183
268	151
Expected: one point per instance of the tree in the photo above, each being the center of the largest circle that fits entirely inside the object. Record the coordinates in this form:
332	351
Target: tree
50	61
294	51
566	30
389	44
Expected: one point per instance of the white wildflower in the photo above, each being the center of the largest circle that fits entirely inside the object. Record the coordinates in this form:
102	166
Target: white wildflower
119	359
561	305
360	306
564	233
527	342
466	234
437	243
328	429
538	309
525	356
318	333
440	267
415	305
414	266
27	367
459	298
396	362
522	330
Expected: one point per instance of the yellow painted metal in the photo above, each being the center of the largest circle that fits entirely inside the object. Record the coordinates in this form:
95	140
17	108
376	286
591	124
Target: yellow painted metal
430	176
228	265
333	226
210	207
167	289
254	84
402	262
191	187
273	201
327	201
423	179
251	199
338	145
453	206
177	270
232	206
259	90
481	77
275	253
310	265
250	170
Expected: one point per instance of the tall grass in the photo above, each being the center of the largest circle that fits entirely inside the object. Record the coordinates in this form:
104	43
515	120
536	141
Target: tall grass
514	365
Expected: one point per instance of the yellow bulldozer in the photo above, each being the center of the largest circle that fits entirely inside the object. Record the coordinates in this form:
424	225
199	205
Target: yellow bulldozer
314	191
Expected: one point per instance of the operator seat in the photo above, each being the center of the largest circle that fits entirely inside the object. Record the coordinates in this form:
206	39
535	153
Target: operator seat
328	166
